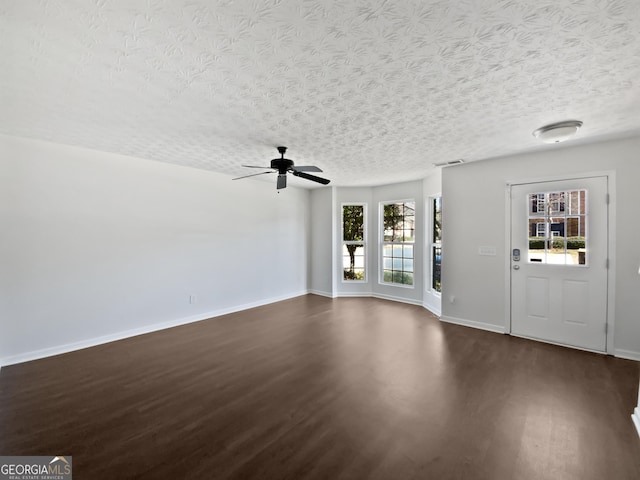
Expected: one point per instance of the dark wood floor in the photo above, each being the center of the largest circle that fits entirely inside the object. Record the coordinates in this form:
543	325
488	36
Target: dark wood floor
315	388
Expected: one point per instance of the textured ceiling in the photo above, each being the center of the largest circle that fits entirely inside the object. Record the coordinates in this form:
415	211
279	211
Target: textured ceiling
371	91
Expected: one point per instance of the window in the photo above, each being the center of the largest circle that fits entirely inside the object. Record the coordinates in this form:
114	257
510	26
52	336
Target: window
557	228
398	238
353	243
436	243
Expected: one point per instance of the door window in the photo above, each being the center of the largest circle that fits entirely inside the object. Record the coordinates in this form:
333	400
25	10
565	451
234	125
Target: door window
557	228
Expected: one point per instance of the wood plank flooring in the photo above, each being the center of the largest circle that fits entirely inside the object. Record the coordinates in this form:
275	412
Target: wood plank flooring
318	388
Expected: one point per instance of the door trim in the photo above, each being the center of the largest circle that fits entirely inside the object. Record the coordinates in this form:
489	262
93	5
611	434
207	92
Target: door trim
611	245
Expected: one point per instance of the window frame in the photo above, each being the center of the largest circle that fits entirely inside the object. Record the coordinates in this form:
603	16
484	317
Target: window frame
344	242
382	243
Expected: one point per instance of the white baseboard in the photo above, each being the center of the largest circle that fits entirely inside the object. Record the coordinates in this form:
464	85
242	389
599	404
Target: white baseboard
355	295
628	354
432	309
474	324
321	293
397	299
636	418
380	296
386	297
92	342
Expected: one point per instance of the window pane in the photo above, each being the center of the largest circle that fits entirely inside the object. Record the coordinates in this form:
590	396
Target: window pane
407	251
352	223
436	262
409	208
555	202
574	202
407	265
403	278
437	219
408	235
353	262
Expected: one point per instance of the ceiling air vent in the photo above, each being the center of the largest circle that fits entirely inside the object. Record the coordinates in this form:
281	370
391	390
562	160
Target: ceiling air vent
446	164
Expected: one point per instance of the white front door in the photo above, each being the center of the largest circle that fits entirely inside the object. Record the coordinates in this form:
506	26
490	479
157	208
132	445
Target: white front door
559	282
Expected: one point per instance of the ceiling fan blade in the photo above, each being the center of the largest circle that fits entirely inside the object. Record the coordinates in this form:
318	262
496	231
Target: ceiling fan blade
254	166
313	178
307	168
252	175
282	181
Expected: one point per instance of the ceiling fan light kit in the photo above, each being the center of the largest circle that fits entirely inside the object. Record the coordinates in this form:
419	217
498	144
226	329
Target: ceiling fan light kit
282	166
558	132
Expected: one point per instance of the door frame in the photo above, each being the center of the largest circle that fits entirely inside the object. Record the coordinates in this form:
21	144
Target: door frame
610	175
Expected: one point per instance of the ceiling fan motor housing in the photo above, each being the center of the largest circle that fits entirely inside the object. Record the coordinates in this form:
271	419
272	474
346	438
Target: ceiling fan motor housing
281	164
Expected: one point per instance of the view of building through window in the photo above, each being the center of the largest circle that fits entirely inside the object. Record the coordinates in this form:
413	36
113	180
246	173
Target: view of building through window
557	227
398	229
353	242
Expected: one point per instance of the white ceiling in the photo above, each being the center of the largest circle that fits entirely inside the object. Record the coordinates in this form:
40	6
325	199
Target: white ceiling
371	91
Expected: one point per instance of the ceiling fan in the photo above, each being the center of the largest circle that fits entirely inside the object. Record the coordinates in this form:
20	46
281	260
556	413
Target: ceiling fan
282	166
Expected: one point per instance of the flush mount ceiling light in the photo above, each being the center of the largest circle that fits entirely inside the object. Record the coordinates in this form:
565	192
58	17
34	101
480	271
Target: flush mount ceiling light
558	132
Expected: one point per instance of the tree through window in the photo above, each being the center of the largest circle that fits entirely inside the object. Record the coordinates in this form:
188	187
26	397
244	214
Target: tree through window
353	242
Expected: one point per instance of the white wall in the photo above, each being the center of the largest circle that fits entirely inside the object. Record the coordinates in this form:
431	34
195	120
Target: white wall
321	278
474	215
97	246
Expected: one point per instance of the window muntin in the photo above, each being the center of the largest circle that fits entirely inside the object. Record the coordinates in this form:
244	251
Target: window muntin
557	228
398	238
353	243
